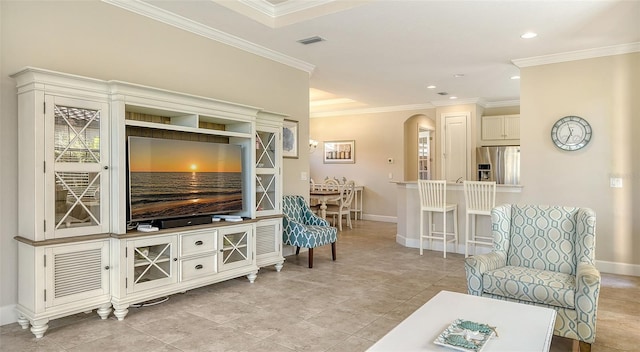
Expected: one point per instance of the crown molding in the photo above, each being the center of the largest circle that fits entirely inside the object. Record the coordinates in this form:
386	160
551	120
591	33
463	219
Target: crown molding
158	14
282	9
451	102
500	104
434	104
578	55
377	110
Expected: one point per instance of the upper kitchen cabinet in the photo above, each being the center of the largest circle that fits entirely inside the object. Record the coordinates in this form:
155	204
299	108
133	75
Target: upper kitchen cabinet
498	128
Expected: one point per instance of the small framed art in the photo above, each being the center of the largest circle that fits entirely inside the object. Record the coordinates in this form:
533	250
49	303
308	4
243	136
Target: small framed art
339	152
290	139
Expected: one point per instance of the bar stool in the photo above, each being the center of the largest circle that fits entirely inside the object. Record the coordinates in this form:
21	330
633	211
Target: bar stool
480	198
433	199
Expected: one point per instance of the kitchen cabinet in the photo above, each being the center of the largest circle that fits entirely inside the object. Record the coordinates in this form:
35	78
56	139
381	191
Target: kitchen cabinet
505	127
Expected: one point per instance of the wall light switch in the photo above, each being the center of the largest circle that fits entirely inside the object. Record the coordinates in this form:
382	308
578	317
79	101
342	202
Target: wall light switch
615	182
303	176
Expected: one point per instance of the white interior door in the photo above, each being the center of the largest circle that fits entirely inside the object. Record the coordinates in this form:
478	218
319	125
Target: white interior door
455	146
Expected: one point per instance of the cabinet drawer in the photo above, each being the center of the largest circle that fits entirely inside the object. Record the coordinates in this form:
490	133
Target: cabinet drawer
198	267
197	243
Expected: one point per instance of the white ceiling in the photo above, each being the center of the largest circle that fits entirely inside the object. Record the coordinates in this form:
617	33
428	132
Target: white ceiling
381	54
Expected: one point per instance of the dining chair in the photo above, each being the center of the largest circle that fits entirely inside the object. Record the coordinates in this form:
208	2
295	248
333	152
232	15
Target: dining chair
433	199
480	198
343	207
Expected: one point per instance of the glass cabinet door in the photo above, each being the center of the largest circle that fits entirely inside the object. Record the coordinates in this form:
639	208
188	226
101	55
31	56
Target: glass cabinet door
79	167
235	248
152	263
267	170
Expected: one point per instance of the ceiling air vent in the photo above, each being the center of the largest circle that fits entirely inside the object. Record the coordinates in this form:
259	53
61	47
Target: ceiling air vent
311	40
443	93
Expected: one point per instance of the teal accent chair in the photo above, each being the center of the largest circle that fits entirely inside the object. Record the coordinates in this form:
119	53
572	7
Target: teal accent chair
303	228
543	255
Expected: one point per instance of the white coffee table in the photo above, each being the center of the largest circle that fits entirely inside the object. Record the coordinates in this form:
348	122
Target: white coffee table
520	327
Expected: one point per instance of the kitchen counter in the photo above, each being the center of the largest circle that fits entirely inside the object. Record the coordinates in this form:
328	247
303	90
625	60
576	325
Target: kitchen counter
408	212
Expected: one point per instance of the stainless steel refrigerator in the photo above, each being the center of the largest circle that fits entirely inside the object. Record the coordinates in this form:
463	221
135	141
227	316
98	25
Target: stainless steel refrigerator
500	164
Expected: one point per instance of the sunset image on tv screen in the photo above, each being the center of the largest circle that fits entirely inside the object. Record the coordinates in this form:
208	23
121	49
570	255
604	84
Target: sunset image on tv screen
175	178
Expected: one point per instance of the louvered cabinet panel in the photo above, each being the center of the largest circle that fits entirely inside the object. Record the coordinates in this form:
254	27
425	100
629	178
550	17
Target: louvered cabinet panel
76	272
269	242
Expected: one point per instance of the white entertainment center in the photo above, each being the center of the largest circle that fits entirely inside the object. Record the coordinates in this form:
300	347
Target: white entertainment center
77	252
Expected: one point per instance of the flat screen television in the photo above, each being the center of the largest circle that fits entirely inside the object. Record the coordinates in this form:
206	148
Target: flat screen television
175	178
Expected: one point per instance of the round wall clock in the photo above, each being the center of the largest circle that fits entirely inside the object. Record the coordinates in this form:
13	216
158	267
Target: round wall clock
571	133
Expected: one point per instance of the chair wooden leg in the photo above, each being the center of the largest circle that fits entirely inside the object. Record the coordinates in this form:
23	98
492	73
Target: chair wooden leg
333	251
585	346
421	230
297	250
310	258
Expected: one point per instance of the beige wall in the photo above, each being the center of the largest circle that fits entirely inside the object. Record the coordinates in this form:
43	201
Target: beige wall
94	39
604	91
377	137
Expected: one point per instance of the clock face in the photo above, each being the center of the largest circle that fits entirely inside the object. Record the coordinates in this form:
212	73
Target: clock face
571	133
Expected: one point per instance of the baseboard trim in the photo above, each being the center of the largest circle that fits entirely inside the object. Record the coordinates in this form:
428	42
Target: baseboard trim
381	218
8	314
618	268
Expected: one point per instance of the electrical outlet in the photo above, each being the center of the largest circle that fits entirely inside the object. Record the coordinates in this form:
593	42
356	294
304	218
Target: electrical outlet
390	175
303	176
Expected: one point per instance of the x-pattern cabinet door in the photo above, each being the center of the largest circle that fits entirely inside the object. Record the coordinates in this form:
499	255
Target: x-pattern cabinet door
235	247
152	263
268	155
76	167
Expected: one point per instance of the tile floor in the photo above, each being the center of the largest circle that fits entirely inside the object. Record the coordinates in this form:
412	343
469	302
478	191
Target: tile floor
337	306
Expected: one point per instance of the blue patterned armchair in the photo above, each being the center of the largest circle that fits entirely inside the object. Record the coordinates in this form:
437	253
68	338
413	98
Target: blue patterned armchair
303	228
543	255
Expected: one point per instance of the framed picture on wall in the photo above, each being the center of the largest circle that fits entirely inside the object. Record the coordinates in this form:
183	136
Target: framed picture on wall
339	152
290	139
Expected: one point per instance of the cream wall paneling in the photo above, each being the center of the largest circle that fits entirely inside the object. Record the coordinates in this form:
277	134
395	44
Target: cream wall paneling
501	127
75	252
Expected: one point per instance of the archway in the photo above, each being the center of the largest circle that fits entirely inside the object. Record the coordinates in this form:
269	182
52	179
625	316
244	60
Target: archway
413	127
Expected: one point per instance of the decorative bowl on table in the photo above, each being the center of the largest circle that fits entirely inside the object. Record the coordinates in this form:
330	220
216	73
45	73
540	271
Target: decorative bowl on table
465	335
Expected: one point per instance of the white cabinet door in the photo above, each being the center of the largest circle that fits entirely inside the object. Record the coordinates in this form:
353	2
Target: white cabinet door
512	127
76	167
235	247
76	273
151	263
492	127
268	190
269	243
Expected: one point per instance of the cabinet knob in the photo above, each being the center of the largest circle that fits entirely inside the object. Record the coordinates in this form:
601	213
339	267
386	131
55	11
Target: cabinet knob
107	267
175	259
198	243
106	167
199	266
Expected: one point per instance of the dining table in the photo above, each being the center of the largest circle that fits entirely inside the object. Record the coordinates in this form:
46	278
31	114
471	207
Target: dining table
322	196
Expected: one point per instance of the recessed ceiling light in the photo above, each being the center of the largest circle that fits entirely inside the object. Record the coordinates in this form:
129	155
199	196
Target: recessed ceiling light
458	75
431	87
452	97
515	77
529	35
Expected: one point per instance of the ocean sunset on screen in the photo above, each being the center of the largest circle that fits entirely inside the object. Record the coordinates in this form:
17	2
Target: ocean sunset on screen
175	178
180	156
